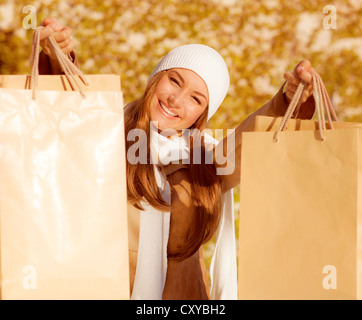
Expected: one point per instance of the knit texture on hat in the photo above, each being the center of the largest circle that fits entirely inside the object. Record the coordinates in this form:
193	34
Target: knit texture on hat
204	61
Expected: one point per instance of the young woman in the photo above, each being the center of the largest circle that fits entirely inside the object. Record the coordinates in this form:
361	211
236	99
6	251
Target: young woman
183	202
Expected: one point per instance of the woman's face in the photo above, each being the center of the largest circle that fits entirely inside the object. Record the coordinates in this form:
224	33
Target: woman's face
180	97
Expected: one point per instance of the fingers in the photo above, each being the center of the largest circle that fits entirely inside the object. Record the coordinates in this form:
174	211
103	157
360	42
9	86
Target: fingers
66	46
304	71
52	25
48	21
55	23
64	40
292	79
291	91
293	82
306	76
305	64
63	35
46	32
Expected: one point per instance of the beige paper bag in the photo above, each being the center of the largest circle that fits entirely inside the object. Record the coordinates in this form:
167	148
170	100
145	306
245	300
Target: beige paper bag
63	218
300	216
300	233
97	82
266	123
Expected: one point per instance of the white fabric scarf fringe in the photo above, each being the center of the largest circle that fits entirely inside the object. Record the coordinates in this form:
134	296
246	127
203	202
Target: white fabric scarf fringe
151	267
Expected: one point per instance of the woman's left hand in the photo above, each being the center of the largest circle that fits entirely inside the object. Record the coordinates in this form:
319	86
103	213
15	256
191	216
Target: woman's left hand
302	72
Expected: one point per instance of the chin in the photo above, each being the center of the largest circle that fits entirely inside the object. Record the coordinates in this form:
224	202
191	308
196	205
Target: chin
162	122
165	126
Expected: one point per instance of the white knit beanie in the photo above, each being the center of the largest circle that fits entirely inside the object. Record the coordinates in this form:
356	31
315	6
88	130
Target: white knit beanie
204	61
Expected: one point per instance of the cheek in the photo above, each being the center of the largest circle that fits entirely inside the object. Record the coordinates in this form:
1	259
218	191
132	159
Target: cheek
163	86
193	114
153	109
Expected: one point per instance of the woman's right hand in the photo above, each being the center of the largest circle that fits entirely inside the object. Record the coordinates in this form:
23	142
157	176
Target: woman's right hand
61	34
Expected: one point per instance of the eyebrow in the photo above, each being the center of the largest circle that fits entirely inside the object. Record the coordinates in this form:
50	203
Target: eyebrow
200	94
183	81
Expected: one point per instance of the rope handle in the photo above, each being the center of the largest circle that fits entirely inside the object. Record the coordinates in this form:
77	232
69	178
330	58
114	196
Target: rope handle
68	67
321	99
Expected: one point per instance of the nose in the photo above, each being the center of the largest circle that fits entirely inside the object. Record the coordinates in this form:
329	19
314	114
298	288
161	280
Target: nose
175	100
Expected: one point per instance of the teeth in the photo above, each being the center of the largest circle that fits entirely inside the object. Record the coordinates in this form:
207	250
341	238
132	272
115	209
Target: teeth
167	110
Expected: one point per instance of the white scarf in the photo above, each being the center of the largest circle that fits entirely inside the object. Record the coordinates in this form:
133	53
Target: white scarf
151	267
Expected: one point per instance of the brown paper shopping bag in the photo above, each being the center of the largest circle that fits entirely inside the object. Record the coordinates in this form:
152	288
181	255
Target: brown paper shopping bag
300	214
63	218
97	82
267	123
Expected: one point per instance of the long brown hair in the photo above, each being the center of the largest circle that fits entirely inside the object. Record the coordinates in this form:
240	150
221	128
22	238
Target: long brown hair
205	184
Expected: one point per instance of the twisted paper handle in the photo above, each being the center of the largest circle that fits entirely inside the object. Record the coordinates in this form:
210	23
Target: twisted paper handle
321	99
69	69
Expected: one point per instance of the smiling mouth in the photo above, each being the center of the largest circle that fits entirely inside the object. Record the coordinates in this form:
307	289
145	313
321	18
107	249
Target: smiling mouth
168	111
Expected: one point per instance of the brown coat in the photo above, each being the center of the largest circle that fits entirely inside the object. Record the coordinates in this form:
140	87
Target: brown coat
188	279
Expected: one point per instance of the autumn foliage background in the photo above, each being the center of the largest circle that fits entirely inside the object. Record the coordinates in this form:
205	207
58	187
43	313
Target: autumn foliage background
259	40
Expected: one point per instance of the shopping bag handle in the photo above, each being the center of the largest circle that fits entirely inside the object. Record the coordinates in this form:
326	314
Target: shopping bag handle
321	99
68	67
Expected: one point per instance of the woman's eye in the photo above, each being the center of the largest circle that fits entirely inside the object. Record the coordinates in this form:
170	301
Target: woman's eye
174	80
197	100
